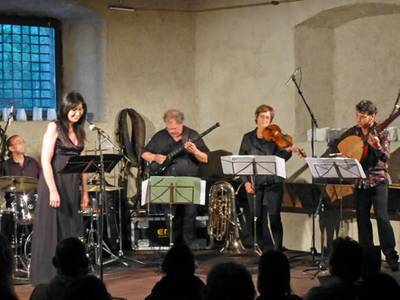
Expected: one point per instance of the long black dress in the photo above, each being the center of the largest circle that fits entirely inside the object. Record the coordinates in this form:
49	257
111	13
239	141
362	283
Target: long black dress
51	225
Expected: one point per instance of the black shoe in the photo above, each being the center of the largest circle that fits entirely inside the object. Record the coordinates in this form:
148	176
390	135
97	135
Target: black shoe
393	262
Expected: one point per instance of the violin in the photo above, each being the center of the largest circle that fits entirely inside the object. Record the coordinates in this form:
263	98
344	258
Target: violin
274	133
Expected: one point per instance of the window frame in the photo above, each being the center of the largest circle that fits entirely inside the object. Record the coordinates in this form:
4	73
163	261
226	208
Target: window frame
44	22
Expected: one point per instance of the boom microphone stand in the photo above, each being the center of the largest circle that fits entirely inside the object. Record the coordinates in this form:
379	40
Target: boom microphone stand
314	125
121	258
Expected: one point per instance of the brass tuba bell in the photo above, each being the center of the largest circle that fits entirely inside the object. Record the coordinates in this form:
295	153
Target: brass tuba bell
222	218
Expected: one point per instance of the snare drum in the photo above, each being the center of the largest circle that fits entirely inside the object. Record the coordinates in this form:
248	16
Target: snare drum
23	207
90	212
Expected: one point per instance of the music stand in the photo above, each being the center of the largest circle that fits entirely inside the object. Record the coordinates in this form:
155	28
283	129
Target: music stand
171	190
94	164
333	168
253	165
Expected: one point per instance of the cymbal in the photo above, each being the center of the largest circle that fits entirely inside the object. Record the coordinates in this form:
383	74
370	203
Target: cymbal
18	184
108	188
394	186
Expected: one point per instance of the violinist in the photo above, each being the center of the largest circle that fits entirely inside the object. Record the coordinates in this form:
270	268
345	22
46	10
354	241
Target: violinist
268	189
373	190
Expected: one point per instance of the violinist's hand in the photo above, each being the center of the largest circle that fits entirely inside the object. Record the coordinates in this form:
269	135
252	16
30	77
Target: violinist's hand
191	147
292	148
159	158
249	188
374	142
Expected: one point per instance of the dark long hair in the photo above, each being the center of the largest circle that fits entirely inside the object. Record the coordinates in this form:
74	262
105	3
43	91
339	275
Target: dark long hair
69	102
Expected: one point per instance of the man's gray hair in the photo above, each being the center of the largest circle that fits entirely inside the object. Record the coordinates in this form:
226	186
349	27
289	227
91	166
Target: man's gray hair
175	114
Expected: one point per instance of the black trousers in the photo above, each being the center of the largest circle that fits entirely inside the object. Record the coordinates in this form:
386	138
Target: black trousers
268	205
183	224
378	197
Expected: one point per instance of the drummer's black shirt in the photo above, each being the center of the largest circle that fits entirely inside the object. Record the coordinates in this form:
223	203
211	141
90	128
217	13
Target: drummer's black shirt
30	168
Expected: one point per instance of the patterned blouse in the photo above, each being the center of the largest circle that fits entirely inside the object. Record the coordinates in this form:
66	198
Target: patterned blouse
373	161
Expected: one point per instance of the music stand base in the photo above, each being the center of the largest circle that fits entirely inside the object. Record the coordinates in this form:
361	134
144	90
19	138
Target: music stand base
233	246
320	267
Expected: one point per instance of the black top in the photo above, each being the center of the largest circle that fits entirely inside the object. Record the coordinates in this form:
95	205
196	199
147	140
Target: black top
184	164
53	290
30	168
252	145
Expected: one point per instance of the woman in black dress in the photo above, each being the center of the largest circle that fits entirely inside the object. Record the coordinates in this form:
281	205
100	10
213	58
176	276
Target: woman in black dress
59	197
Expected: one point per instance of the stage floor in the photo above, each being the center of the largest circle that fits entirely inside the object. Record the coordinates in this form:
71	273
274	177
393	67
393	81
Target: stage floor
135	281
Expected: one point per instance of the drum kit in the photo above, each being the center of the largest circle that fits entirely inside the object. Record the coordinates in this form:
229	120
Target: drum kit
17	215
91	218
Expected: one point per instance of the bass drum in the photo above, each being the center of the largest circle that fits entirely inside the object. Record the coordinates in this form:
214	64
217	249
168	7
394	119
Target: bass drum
28	249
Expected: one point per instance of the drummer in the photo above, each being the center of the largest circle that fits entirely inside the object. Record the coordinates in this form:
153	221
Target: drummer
18	163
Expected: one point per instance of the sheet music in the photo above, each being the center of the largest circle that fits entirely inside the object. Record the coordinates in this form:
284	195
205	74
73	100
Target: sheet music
145	196
328	168
203	192
253	165
145	185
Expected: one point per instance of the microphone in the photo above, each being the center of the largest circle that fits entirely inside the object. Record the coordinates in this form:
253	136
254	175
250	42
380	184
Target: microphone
293	75
93	127
10	115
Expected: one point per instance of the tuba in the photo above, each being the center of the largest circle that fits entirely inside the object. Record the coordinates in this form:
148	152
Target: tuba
222	217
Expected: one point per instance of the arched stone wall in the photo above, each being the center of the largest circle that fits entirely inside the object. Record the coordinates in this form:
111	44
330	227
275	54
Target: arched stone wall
333	79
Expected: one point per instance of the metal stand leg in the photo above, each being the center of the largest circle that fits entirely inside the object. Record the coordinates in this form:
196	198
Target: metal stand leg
319	264
256	247
171	219
18	260
121	256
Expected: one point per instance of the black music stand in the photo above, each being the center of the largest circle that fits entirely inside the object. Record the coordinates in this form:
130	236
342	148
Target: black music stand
253	165
338	168
94	164
90	163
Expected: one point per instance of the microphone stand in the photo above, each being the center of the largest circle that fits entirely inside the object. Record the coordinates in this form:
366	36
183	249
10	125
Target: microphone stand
396	106
314	125
101	204
101	133
3	136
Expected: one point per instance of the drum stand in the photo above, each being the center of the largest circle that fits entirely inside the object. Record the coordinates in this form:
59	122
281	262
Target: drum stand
93	246
15	242
18	260
121	256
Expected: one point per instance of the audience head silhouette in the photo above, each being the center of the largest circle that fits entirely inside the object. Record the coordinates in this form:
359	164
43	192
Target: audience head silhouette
229	281
178	262
377	285
346	259
273	275
70	258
